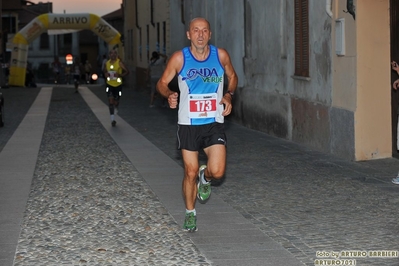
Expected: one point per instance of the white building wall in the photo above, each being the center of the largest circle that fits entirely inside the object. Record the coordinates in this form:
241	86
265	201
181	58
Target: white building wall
38	56
178	24
259	35
227	20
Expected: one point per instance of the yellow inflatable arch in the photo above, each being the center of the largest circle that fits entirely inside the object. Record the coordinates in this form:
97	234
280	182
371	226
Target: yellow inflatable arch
21	41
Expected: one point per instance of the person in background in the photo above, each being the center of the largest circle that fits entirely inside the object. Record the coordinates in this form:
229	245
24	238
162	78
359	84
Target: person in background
67	72
201	68
104	61
154	72
76	70
30	77
56	65
88	71
395	86
114	71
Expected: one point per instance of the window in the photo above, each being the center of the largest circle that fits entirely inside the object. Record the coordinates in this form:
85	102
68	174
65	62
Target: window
158	40
9	24
68	39
164	37
140	45
130	45
44	41
302	38
148	43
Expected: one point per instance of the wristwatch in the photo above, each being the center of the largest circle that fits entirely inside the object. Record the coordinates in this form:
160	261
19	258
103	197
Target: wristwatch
231	93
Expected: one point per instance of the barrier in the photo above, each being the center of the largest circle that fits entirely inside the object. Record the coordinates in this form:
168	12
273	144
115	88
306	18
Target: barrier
42	23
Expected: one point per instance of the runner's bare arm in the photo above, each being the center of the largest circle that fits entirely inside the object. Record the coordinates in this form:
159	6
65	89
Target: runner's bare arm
232	80
124	68
174	65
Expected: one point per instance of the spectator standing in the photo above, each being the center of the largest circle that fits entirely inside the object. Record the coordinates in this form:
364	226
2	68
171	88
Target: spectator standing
88	69
76	69
395	86
67	72
56	66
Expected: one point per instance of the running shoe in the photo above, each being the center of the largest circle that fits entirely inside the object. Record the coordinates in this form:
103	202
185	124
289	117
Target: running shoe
190	222
396	180
113	123
204	189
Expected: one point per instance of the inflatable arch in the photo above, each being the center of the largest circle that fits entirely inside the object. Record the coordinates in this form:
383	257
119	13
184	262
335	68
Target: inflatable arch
21	41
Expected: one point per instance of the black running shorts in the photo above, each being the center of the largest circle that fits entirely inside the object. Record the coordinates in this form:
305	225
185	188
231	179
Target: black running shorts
198	137
115	92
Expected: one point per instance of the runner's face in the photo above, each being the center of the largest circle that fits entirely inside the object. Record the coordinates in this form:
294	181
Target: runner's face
199	33
112	55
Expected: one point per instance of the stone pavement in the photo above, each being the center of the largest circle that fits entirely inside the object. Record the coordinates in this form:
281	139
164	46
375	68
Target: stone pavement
279	204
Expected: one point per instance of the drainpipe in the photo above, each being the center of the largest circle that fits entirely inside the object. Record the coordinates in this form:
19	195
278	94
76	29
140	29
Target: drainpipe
137	17
152	13
182	12
328	8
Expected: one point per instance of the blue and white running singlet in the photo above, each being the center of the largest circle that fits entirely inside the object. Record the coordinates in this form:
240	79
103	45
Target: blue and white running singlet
201	89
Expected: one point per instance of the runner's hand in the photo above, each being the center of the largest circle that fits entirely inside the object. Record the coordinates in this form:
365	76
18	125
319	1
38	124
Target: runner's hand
172	100
226	100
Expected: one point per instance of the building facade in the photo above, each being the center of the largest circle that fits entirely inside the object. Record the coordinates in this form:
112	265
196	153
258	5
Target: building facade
151	26
310	71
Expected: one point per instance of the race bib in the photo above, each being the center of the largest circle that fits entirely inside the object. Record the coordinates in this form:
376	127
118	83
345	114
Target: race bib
202	105
112	75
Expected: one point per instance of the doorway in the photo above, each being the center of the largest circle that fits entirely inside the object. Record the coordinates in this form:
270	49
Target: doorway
394	19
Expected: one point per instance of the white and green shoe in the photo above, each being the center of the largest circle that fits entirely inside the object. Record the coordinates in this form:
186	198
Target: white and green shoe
204	189
190	222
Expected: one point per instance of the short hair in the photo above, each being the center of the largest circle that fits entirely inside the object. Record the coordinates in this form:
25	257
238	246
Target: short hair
191	21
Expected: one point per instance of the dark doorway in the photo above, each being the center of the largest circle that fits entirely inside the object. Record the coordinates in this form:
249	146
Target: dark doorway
394	14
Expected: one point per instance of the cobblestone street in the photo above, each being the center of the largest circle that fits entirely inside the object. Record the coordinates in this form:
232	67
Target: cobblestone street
90	204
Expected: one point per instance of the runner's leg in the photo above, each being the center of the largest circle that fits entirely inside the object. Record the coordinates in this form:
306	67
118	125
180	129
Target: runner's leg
190	159
216	164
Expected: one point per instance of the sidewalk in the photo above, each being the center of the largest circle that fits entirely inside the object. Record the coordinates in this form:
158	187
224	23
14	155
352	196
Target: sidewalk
279	204
305	200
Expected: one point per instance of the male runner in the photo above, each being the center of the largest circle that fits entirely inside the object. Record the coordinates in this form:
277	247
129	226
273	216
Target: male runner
202	106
